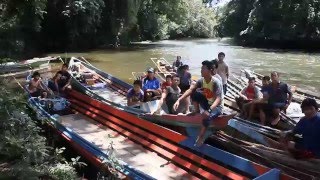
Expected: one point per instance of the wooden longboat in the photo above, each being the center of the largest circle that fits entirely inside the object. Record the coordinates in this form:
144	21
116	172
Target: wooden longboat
163	67
182	120
23	68
113	139
113	91
205	162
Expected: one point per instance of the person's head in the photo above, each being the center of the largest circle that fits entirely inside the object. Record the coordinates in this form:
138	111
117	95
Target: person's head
265	80
185	68
137	85
36	75
178	58
215	65
207	68
169	78
309	107
251	82
175	79
150	72
57	75
221	56
274	77
64	67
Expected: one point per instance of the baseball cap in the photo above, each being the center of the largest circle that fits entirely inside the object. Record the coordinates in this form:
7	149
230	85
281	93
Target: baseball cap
150	70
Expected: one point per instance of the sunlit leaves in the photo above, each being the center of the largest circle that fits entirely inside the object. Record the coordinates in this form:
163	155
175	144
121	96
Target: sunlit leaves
181	18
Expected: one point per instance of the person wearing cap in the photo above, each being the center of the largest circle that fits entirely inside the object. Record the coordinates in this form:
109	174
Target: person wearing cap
207	93
151	86
303	140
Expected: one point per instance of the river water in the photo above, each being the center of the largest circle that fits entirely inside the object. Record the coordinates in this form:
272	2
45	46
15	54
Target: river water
297	68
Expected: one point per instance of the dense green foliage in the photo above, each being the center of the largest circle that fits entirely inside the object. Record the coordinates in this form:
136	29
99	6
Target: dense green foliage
171	19
28	26
275	21
24	153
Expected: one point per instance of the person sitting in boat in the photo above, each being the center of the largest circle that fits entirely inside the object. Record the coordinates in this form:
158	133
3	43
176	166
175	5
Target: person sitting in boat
135	95
207	93
185	78
246	96
170	95
36	87
65	78
256	104
53	83
151	86
167	83
279	97
303	140
177	63
185	82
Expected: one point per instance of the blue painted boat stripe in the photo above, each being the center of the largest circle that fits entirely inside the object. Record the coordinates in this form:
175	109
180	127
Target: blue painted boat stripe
273	174
224	157
247	131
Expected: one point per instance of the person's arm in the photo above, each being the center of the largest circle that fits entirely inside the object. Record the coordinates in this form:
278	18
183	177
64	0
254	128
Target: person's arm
189	78
129	98
227	71
130	102
243	94
56	84
68	83
163	97
43	86
188	92
257	93
290	95
158	88
218	92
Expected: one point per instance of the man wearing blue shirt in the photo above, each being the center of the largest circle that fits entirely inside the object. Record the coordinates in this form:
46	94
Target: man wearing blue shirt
279	97
151	85
303	140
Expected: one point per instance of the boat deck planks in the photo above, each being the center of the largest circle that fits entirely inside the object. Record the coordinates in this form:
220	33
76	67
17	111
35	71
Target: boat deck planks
111	95
134	154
